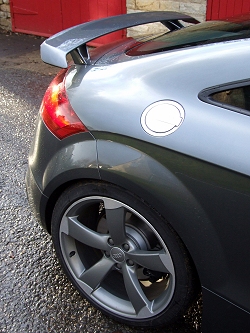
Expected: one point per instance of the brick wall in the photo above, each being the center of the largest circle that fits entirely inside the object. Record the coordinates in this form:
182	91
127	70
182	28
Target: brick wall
5	20
194	8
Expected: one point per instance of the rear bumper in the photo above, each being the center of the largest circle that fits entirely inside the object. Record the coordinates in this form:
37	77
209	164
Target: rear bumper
36	198
54	164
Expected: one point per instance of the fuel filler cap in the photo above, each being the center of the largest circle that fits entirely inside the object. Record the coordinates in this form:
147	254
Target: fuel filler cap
162	118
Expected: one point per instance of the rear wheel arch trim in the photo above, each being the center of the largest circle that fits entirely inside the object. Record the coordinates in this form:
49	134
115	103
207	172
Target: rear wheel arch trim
54	189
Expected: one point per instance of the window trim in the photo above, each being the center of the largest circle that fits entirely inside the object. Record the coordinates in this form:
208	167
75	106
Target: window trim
206	95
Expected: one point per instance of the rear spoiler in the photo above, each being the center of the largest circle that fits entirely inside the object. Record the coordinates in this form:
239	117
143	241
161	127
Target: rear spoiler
73	40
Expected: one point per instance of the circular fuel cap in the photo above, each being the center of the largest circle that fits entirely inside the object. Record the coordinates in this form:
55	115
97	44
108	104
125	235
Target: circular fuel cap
162	118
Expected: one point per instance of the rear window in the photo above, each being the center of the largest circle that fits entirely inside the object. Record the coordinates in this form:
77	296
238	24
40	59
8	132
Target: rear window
200	34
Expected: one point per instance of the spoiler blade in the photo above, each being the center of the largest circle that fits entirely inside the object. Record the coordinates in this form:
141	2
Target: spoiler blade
73	40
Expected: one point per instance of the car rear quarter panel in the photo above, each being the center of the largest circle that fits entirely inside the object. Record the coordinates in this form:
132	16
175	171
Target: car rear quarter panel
197	177
113	98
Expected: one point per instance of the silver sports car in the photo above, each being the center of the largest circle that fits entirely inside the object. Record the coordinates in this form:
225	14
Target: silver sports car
140	168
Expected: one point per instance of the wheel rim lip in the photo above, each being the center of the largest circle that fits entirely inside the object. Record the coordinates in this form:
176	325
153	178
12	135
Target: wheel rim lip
101	296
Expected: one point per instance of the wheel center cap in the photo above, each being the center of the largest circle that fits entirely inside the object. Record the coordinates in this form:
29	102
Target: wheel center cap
117	254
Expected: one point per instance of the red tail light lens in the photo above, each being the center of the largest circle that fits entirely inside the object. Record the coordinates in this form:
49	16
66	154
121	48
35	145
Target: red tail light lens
56	111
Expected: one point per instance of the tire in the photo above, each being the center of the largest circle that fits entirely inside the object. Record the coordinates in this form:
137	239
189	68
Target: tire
121	255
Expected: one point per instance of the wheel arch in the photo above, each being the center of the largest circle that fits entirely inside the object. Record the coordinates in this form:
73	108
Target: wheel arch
137	172
52	193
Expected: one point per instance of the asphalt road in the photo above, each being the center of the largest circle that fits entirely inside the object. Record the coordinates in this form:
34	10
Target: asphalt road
35	296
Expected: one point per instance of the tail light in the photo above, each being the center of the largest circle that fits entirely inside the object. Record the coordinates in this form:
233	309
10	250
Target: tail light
56	111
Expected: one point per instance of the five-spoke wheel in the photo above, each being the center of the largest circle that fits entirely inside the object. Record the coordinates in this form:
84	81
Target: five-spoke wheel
110	248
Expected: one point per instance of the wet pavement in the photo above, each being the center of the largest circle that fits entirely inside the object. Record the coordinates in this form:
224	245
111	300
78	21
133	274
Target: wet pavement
35	296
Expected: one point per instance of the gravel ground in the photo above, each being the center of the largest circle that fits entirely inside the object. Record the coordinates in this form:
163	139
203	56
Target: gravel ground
35	295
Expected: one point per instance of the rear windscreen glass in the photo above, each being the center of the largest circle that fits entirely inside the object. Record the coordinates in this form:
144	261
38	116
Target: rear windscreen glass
200	34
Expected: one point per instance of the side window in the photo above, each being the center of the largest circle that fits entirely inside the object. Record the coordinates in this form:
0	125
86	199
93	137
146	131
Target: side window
233	96
238	97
